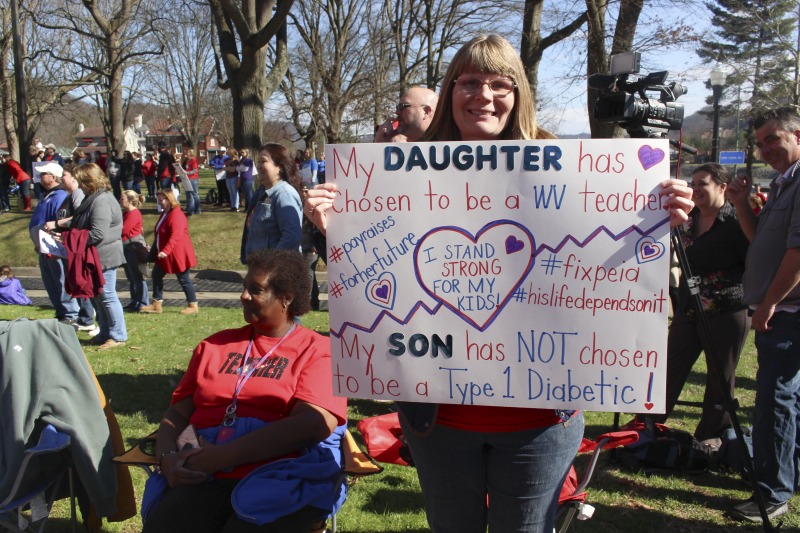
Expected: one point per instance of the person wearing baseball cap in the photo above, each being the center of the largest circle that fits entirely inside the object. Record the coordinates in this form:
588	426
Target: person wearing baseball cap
53	268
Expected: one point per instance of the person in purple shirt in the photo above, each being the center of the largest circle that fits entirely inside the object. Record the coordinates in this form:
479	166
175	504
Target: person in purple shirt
246	177
11	291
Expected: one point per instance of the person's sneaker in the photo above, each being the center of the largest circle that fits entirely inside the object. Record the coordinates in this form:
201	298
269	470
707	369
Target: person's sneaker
68	322
95	332
85	327
749	511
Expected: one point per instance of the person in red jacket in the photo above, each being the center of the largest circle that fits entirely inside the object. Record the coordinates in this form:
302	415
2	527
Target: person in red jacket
22	179
175	253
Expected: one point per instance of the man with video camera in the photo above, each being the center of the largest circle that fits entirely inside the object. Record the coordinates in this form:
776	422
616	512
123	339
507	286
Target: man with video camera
772	291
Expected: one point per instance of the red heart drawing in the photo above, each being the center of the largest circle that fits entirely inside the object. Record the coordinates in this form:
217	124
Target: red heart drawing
474	276
648	406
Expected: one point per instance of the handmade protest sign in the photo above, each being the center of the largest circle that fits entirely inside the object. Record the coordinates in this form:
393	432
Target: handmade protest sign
527	274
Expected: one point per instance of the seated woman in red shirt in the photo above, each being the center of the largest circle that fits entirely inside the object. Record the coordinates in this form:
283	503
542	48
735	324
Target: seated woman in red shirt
255	394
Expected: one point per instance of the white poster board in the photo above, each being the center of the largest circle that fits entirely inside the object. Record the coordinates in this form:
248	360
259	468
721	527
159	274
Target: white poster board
528	274
49	246
183	176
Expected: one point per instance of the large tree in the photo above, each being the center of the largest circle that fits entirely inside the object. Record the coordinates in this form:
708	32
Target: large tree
45	82
107	38
331	70
183	83
243	30
755	41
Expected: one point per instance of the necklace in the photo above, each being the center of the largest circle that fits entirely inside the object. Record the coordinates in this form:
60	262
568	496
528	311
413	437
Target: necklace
245	373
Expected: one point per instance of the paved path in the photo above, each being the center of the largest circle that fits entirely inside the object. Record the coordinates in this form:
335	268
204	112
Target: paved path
214	288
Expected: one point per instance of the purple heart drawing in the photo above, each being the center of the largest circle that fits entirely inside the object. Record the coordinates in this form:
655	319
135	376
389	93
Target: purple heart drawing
648	249
513	245
382	292
650	157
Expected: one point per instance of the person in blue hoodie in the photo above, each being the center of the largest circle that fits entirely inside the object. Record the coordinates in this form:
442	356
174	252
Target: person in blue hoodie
53	269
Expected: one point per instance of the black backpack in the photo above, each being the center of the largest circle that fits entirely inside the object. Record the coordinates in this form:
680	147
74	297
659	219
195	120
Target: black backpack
662	448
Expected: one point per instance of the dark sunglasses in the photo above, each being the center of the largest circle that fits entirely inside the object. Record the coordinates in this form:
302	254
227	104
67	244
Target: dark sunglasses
403	107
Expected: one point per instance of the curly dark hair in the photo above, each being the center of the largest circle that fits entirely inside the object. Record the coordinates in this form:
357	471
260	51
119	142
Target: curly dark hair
287	276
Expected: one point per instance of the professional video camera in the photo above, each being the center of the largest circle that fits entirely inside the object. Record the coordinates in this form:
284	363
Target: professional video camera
623	98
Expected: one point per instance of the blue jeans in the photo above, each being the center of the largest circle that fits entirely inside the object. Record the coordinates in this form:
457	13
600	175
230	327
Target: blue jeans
115	186
110	316
776	428
138	285
521	471
151	185
183	278
166	183
247	192
69	308
193	198
4	200
233	192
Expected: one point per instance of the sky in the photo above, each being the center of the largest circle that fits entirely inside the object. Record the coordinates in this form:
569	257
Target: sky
567	110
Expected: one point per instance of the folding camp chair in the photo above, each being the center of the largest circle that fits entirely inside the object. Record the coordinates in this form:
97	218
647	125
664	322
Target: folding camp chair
572	500
356	463
39	483
384	439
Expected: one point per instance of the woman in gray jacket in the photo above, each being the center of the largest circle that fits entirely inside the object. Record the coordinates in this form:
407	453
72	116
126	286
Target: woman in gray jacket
101	215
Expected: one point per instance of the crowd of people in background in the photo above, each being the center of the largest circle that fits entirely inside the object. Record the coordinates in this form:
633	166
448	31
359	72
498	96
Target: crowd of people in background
464	454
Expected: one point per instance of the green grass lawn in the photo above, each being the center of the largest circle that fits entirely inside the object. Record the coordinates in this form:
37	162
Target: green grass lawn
139	377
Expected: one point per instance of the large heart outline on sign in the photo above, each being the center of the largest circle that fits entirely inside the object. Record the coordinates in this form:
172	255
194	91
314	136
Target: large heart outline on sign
501	255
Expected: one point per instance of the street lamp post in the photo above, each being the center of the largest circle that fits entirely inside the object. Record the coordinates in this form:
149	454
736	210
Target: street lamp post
717	79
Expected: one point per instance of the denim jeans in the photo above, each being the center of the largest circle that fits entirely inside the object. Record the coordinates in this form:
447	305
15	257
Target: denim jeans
138	285
4	200
233	192
110	316
520	471
247	191
151	185
67	307
776	428
116	186
193	198
183	278
223	196
166	183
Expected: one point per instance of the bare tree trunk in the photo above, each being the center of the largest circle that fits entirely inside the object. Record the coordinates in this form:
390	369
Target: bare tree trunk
7	91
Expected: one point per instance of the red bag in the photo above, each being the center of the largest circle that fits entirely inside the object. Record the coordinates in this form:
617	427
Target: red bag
383	437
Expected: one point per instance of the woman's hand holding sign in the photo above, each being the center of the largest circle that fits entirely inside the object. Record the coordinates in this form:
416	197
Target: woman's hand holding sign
317	201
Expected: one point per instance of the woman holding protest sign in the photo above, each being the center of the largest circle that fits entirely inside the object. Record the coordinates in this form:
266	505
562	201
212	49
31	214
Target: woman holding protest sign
516	458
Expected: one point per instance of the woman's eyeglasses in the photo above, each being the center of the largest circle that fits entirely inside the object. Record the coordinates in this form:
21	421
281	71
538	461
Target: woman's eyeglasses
498	86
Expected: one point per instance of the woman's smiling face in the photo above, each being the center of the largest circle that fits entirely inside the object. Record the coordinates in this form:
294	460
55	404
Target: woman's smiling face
480	113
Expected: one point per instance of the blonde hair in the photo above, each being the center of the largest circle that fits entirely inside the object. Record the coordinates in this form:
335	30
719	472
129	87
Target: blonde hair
91	178
170	196
487	54
134	198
